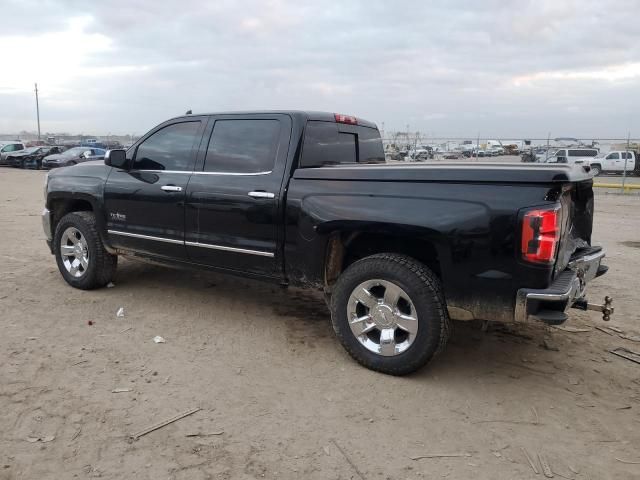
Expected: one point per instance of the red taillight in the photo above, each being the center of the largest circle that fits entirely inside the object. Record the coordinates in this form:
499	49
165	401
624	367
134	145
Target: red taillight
348	119
540	235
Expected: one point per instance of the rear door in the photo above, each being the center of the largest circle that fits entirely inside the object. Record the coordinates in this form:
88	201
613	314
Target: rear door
145	204
233	199
628	161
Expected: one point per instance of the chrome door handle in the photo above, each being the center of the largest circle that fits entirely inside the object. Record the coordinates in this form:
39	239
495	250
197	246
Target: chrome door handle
262	195
171	188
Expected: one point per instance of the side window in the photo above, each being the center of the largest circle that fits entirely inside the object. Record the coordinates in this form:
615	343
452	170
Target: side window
242	146
613	156
626	155
561	153
324	144
168	149
370	146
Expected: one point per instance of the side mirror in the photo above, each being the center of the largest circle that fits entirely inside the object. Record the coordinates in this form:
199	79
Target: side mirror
116	158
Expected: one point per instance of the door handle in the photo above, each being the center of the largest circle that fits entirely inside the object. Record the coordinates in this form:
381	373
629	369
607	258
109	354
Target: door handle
171	188
262	195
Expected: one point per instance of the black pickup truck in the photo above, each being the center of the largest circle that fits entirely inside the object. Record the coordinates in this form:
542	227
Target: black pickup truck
307	199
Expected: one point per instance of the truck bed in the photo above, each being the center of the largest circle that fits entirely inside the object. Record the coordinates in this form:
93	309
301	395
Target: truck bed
450	172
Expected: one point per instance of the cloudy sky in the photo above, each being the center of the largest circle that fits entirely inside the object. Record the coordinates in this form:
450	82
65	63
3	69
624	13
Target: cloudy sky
500	68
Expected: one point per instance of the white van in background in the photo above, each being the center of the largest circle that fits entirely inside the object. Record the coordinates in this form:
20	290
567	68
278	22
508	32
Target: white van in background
570	155
612	162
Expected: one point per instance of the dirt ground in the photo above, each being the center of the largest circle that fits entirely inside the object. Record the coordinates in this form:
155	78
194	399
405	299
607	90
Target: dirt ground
279	397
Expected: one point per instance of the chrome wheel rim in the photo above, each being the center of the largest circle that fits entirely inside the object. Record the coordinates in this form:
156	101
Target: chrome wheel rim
75	252
382	317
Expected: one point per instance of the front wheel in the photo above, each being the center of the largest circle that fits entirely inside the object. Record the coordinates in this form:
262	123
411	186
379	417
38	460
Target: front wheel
80	254
596	170
389	313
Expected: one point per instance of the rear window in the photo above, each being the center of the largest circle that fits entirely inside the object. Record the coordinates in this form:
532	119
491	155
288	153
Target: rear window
328	143
583	153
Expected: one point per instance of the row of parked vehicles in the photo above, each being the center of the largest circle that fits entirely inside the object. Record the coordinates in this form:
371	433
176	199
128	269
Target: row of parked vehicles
614	161
46	157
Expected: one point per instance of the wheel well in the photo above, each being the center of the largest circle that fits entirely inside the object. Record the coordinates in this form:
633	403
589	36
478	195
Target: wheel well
346	248
60	207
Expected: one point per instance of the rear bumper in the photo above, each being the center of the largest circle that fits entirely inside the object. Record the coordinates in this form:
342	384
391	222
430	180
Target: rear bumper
549	305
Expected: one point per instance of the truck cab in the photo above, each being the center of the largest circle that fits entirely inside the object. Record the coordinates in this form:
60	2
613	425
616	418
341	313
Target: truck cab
616	161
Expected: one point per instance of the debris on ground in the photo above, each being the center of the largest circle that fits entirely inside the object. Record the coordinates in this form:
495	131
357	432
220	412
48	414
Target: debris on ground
440	455
75	435
120	390
45	439
348	459
629	462
603	330
89	322
111	285
126	329
157	426
626	353
570	329
204	434
530	460
633	338
120	312
159	339
546	468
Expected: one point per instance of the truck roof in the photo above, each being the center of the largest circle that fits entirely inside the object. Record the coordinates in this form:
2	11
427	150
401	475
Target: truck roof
300	114
450	172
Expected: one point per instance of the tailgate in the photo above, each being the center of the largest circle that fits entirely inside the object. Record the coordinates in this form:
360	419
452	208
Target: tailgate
577	222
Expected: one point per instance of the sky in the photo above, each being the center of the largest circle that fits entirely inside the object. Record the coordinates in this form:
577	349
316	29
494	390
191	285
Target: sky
494	68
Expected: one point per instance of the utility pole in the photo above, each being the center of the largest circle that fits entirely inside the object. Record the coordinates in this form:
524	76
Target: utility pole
38	111
626	157
546	154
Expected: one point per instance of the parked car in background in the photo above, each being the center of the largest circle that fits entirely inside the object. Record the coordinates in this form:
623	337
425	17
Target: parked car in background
73	156
568	155
612	162
7	148
31	155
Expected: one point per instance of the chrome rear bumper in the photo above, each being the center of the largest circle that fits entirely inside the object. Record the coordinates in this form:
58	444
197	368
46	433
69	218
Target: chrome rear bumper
549	305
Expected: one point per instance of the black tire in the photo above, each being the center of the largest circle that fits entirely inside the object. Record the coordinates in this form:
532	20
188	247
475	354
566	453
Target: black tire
424	290
101	265
596	169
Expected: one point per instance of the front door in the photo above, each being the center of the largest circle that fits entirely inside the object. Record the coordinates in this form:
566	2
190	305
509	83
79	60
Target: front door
145	204
612	162
234	196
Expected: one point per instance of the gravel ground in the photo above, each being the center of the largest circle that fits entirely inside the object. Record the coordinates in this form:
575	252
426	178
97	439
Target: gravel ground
279	397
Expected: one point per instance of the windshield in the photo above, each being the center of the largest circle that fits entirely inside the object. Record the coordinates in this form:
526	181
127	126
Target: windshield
31	149
74	152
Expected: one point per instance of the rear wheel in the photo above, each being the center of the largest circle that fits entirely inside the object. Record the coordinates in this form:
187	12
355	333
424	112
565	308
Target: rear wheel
80	254
389	313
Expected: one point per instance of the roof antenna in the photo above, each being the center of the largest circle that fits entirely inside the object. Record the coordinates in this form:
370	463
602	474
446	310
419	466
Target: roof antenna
189	112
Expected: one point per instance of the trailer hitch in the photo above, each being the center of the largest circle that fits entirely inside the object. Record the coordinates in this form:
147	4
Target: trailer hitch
606	308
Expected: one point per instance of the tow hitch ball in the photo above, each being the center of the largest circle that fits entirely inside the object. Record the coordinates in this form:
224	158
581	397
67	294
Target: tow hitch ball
606	308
